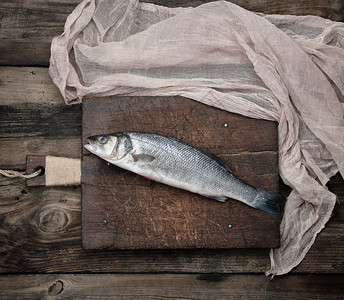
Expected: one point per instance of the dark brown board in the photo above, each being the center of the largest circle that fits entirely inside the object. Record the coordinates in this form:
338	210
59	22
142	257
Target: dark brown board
122	210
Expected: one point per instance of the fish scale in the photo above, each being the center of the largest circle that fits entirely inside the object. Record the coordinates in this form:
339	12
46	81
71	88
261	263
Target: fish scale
184	163
190	165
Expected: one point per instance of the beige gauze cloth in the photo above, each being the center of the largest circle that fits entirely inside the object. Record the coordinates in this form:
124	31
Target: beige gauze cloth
287	69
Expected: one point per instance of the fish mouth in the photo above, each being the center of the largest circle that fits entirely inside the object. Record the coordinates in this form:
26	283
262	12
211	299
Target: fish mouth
90	147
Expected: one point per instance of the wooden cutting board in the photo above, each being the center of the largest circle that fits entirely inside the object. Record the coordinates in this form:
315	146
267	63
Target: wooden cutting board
122	210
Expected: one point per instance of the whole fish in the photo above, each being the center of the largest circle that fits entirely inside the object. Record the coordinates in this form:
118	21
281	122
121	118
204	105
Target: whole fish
172	162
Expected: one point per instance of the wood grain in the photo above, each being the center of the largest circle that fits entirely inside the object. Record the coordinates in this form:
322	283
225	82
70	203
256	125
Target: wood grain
171	286
33	244
332	10
122	210
34	118
27	27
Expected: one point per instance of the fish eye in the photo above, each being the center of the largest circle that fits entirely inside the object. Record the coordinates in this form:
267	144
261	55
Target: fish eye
102	139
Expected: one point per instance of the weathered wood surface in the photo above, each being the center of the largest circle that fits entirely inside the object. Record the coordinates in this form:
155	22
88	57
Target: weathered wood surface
41	233
170	286
34	117
27	27
122	210
40	228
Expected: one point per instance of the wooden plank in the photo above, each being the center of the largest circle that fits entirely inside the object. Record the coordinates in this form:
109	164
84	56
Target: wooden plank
171	286
34	118
21	86
122	210
27	27
322	8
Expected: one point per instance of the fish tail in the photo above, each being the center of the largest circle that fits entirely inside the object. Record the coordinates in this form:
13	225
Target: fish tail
267	201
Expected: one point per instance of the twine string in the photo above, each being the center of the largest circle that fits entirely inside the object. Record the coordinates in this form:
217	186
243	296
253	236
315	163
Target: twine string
14	174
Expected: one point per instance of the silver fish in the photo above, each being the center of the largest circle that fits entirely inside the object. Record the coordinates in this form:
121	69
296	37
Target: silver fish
172	162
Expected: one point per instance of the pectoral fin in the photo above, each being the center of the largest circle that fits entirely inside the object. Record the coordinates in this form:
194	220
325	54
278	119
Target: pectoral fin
142	158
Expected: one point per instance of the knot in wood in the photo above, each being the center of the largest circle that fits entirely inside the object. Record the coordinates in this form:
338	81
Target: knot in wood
56	288
52	220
